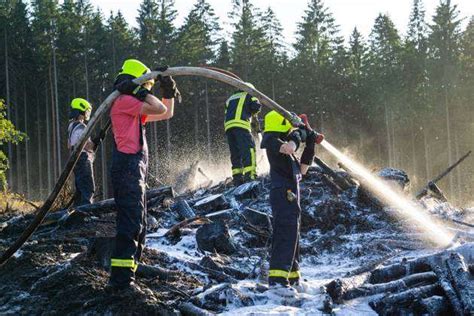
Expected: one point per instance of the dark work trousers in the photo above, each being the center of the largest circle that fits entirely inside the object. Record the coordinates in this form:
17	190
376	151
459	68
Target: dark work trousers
286	211
242	154
84	179
128	173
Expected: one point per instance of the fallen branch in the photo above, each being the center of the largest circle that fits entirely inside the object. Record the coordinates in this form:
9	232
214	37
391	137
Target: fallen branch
459	277
447	287
391	304
392	286
192	310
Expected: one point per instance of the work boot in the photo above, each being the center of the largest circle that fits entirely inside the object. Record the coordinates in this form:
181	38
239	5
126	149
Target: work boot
130	289
282	290
237	180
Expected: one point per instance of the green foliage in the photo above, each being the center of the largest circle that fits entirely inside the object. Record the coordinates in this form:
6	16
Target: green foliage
381	94
8	135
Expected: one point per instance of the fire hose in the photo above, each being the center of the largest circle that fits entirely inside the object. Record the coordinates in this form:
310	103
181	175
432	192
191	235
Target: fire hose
101	112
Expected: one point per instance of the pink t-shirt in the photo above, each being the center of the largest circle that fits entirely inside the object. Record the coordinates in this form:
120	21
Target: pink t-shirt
125	116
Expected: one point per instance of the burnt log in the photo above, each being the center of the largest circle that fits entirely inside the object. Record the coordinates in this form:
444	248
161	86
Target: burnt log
392	286
371	265
460	279
433	306
210	203
215	237
189	309
337	288
151	272
182	208
208	262
399	270
257	223
340	181
249	190
153	196
392	304
448	289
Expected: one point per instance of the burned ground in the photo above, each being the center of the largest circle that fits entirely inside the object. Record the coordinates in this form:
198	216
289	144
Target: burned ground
208	251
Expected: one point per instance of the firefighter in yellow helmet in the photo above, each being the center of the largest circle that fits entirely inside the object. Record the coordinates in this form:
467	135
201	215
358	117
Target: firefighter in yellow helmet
79	114
281	141
240	109
129	114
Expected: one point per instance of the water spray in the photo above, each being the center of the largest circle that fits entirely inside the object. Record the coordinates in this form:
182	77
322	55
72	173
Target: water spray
405	207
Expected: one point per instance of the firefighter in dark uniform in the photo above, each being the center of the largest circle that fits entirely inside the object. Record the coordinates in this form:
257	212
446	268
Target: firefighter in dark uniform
129	114
281	141
84	169
239	110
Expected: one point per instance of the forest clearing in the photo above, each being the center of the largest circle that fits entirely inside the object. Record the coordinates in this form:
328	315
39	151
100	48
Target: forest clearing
204	167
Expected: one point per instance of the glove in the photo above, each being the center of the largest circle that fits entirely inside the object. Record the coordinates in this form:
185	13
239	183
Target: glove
126	87
319	138
304	119
303	133
141	93
162	68
168	87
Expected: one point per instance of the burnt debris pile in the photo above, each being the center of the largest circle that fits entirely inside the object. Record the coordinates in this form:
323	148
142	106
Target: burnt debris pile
207	252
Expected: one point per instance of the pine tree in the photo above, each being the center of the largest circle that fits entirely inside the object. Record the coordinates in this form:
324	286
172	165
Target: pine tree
316	44
385	48
414	83
247	39
444	50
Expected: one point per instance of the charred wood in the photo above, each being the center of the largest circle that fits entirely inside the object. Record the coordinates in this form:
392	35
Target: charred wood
392	286
448	289
393	303
433	306
189	309
339	287
460	279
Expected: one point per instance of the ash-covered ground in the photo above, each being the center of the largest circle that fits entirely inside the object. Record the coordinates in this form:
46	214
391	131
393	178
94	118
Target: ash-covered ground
207	252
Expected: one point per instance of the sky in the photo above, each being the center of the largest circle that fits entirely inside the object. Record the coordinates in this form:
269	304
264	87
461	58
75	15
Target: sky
348	13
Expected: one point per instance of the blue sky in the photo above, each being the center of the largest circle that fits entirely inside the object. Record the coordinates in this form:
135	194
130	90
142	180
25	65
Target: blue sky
348	13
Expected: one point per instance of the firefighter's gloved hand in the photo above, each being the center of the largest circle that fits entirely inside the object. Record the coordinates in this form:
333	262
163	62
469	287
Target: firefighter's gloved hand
168	87
126	87
304	119
303	133
97	141
319	138
309	149
162	68
141	93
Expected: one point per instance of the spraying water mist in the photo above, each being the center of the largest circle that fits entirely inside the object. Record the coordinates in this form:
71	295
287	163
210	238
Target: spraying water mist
406	208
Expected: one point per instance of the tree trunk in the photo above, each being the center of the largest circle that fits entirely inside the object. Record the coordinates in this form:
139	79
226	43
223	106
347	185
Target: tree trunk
18	155
9	114
196	125
53	126
389	140
395	155
459	187
48	142
27	152
40	146
427	156
58	129
86	69
208	124
413	148
448	138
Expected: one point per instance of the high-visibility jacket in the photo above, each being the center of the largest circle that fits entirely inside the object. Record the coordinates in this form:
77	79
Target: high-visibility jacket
239	109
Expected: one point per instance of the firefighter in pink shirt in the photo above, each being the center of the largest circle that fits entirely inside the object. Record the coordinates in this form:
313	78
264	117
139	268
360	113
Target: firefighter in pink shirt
129	114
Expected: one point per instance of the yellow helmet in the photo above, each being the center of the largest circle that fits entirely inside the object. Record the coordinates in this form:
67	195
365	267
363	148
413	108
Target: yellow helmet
275	122
81	104
134	68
